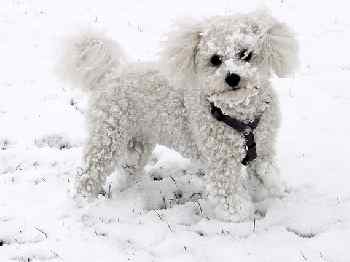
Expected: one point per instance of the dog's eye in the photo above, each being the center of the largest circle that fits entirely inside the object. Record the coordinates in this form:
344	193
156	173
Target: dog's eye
245	55
216	60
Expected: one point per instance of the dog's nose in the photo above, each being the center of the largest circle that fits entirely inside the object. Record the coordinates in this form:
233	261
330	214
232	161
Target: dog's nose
232	80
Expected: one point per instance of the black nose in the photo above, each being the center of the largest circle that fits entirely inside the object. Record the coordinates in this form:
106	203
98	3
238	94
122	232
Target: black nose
233	80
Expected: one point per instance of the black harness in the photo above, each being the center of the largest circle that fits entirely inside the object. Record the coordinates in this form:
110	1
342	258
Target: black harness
246	129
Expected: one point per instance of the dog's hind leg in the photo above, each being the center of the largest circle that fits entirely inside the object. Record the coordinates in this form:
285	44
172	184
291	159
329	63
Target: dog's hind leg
139	151
101	153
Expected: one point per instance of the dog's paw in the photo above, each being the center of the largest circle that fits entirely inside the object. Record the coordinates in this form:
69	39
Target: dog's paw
233	208
89	187
268	175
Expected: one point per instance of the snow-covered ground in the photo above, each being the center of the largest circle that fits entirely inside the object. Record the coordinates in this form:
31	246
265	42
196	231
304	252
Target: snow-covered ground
42	131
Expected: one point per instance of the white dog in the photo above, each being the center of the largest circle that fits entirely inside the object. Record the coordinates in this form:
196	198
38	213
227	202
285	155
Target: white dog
209	98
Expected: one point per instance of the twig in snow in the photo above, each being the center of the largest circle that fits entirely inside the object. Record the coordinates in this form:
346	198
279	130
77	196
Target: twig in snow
173	179
201	210
162	219
171	230
225	232
41	231
55	255
164	201
109	194
322	256
301	234
303	256
200	207
19	167
100	234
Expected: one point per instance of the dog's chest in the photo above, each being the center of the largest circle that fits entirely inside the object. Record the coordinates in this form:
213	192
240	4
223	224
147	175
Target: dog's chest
218	140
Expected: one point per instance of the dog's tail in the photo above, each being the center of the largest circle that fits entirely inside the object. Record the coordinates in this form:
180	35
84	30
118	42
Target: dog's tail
87	58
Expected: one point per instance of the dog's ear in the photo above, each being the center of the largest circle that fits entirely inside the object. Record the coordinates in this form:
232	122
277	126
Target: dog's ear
279	48
179	50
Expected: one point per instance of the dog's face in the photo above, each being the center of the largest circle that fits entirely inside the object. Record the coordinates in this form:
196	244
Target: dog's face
231	58
229	65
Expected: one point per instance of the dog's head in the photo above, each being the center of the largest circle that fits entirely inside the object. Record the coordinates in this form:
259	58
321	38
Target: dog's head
230	57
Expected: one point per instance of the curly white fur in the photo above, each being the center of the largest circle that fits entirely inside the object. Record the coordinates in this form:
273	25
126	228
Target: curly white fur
133	107
87	57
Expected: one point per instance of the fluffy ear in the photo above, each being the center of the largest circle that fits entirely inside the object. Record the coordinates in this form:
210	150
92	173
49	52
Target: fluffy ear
179	50
279	48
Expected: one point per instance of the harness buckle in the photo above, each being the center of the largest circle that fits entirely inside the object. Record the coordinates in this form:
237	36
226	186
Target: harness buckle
247	130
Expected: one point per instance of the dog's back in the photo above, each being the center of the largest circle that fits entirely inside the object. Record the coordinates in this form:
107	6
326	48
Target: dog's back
137	96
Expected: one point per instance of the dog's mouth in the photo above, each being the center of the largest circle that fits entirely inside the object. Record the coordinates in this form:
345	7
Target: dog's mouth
234	100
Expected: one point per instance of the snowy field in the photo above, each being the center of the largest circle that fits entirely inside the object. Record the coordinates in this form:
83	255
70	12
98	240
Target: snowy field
42	130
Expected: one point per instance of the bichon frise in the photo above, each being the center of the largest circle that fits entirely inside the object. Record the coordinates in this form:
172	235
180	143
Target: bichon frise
209	98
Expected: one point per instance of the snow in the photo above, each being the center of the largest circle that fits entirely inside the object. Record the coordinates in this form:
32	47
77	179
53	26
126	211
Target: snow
43	130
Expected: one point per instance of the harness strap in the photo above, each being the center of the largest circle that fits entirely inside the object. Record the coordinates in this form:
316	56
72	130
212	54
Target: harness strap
246	129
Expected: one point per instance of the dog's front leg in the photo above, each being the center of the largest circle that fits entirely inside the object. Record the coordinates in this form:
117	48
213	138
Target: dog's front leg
227	191
263	171
264	178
